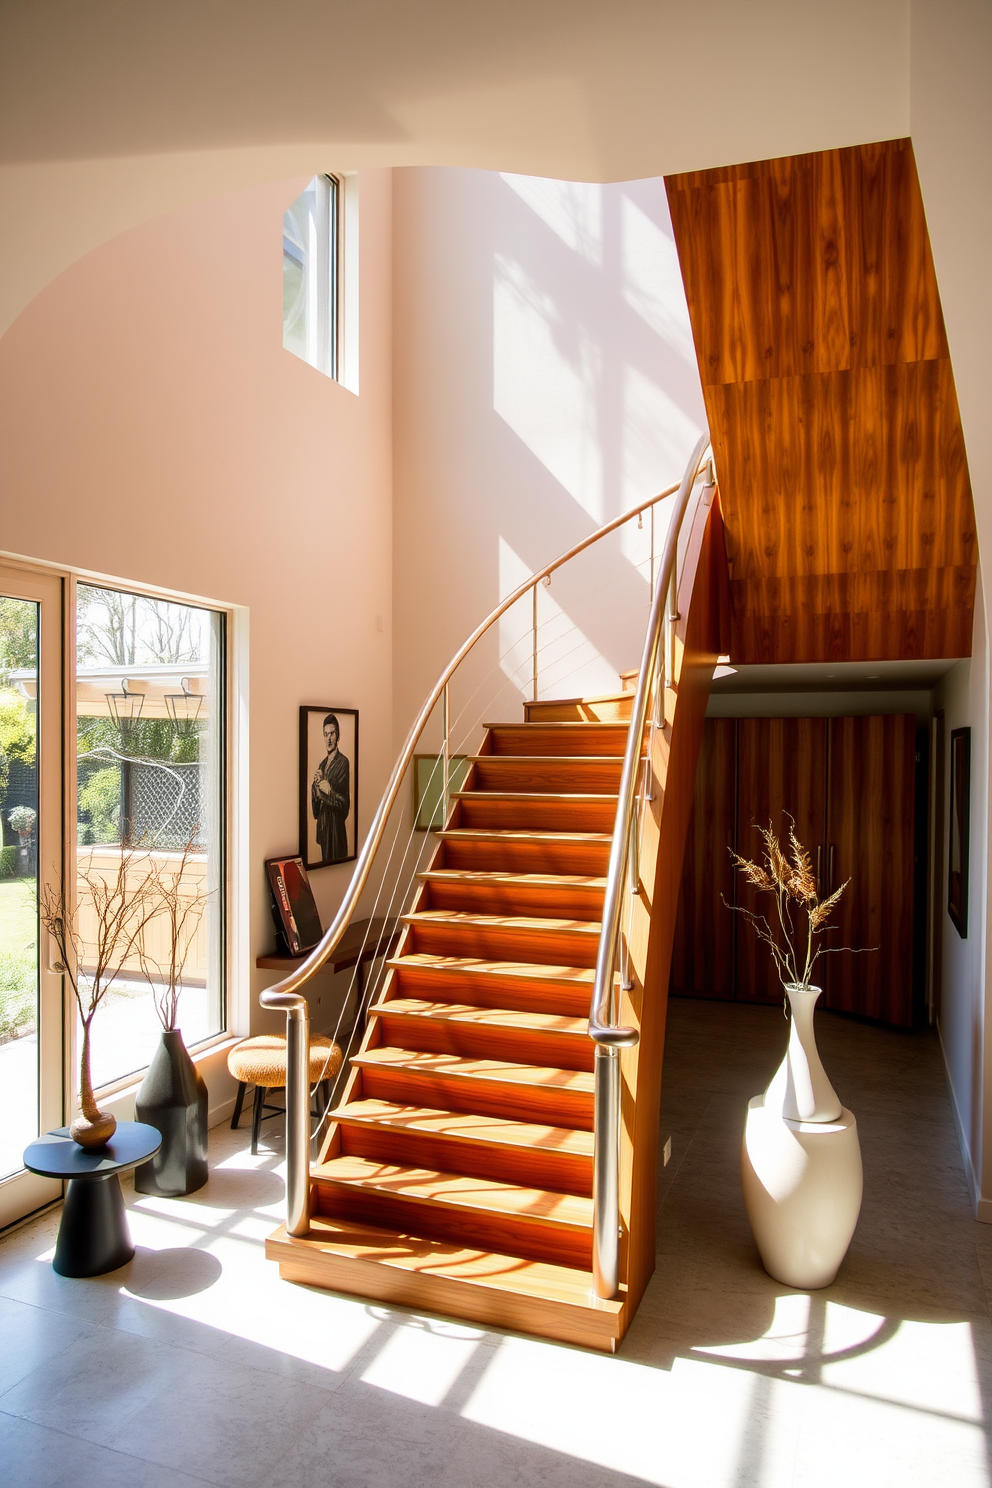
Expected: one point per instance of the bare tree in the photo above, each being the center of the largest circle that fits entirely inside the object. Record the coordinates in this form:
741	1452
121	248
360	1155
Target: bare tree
132	630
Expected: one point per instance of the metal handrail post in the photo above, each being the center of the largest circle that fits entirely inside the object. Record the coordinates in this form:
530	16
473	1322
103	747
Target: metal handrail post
297	1011
606	1173
445	753
534	661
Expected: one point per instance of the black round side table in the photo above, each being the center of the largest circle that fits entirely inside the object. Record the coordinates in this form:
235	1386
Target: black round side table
93	1233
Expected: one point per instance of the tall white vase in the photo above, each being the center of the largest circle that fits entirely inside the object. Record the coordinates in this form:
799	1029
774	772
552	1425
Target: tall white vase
801	1162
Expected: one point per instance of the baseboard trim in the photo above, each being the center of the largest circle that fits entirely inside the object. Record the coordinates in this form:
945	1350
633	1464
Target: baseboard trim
981	1206
217	1115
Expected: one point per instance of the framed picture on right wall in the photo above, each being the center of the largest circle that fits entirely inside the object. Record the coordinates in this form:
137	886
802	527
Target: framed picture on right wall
958	846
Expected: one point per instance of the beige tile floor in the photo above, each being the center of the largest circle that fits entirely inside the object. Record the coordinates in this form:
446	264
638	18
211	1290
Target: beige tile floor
194	1364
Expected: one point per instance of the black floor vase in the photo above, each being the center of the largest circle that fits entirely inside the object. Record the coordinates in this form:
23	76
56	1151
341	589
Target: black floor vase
173	1098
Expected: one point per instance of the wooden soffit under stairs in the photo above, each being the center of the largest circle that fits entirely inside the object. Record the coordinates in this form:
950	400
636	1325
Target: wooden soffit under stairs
849	520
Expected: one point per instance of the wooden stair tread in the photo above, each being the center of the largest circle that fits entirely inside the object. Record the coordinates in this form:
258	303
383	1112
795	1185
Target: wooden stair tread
544	759
520	834
453	1012
501	921
467	1126
595	723
467	1068
438	1272
566	976
495	876
457	1191
564	796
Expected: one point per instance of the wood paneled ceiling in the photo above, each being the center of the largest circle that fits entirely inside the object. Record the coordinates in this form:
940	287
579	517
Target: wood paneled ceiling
831	403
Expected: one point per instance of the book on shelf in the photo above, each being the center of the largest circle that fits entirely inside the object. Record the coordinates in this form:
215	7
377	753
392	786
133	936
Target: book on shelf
293	908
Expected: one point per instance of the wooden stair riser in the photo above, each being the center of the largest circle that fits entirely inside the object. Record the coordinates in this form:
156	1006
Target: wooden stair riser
615	709
532	1167
491	989
484	1041
574	741
576	776
517	897
542	813
488	1097
504	942
533	1239
510	855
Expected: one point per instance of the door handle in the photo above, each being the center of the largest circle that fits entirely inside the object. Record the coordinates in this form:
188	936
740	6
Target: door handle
819	861
830	869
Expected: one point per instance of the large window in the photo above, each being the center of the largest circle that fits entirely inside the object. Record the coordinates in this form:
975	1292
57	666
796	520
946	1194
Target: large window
150	789
310	272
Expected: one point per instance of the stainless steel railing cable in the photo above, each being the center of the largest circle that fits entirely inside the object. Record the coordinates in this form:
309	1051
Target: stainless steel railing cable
402	884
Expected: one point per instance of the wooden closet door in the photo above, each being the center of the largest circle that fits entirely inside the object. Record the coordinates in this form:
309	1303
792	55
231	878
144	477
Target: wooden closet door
871	832
703	952
782	767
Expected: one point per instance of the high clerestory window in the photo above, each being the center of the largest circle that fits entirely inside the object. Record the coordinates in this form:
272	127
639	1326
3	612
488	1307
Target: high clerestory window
311	262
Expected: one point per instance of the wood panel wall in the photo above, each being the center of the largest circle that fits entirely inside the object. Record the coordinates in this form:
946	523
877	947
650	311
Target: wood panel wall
814	305
782	768
871	842
850	785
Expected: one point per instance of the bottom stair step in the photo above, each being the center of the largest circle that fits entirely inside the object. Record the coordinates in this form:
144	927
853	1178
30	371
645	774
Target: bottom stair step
502	1291
538	1224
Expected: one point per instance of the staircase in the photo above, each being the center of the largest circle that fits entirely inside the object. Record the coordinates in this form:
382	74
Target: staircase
457	1175
460	1160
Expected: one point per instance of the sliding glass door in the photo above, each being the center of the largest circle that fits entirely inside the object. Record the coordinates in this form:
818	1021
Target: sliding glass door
31	795
112	713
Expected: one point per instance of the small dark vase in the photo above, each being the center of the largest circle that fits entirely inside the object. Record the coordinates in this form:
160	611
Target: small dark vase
173	1098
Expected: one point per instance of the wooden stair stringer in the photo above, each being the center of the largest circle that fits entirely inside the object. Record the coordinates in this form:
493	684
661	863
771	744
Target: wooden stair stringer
701	637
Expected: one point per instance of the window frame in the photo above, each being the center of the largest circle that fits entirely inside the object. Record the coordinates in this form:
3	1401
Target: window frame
233	801
225	801
322	269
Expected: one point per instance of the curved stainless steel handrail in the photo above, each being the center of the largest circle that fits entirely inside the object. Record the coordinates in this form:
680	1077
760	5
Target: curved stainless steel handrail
608	1036
285	996
600	1026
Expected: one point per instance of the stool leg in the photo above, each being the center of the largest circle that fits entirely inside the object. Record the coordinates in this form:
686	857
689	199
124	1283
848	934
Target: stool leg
239	1102
256	1118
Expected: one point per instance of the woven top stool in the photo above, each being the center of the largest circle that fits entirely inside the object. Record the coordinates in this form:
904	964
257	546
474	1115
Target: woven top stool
261	1061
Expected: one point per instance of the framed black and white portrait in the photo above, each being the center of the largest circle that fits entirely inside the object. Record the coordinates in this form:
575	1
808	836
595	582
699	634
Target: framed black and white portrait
959	837
328	785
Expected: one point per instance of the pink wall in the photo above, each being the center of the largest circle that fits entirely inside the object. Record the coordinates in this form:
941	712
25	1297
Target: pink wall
545	381
153	429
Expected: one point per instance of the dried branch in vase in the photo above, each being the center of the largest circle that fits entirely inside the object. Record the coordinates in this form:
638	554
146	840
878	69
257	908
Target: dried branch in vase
800	916
181	905
123	903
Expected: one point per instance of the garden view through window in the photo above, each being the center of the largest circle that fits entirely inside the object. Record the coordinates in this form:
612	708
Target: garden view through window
149	731
19	1070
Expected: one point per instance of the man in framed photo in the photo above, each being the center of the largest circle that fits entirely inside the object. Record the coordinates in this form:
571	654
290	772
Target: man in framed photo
330	796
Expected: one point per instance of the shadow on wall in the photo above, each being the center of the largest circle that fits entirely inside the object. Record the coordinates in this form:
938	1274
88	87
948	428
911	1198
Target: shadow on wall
555	386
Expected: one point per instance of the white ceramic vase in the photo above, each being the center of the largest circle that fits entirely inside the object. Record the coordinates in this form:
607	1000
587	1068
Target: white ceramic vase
801	1162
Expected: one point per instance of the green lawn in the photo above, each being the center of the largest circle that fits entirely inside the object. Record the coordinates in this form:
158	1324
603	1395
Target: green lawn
18	958
18	915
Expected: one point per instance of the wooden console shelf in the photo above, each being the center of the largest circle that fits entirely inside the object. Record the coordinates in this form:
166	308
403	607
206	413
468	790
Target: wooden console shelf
363	942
